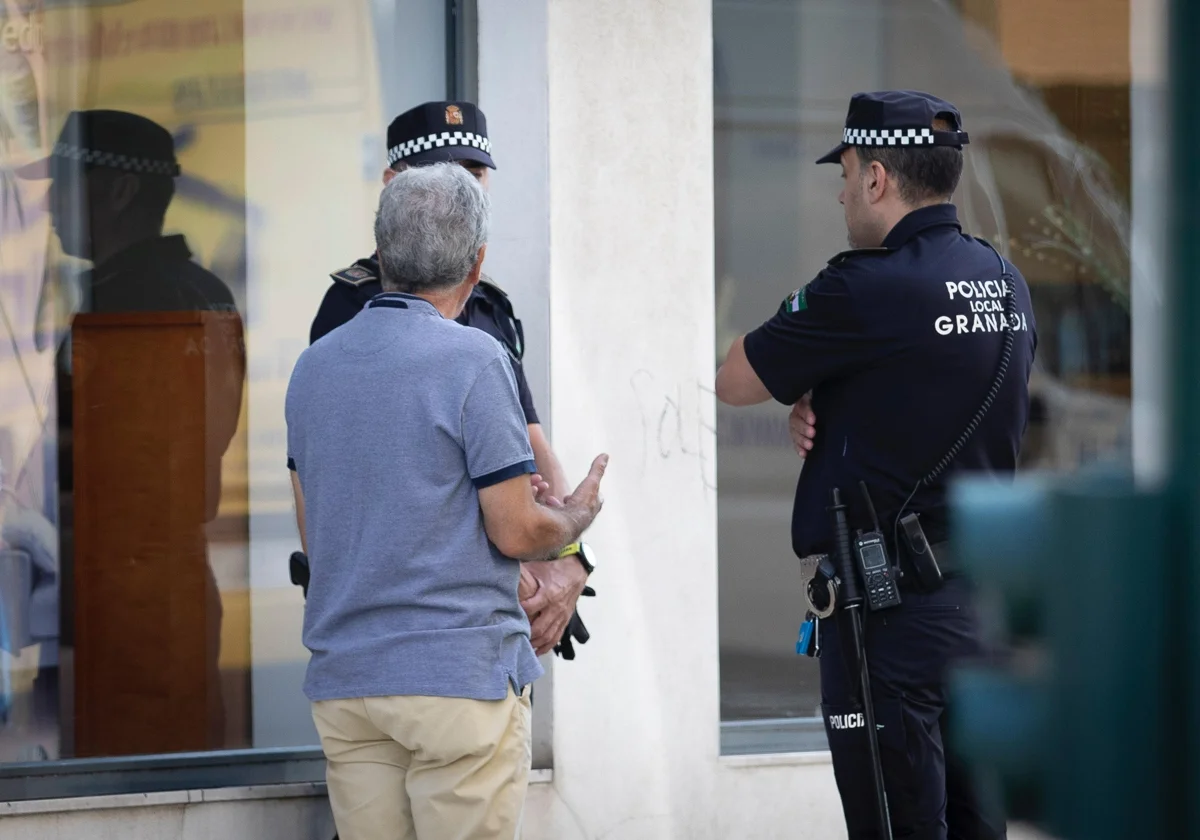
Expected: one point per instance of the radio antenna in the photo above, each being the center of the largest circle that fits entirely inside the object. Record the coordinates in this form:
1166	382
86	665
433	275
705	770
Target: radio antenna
862	485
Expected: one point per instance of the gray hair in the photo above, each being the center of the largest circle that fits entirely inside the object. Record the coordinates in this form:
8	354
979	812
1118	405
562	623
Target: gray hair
431	223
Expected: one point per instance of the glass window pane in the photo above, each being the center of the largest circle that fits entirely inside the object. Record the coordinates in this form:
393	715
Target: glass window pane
1047	105
151	322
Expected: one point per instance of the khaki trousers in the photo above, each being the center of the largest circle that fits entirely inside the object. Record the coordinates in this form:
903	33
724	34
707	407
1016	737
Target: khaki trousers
426	768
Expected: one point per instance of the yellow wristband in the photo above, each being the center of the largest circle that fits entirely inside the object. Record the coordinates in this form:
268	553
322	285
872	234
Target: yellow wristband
573	548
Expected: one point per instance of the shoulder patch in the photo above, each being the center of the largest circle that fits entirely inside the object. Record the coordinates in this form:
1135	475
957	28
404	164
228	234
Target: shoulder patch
355	275
797	301
838	259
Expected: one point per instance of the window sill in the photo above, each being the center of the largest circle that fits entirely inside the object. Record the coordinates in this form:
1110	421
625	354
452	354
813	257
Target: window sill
154	800
159	799
768	737
793	759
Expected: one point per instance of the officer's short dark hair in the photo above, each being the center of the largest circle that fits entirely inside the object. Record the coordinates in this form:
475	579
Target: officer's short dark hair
923	173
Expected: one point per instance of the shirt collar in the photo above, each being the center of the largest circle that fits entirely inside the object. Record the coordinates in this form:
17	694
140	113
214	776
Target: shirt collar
920	220
402	300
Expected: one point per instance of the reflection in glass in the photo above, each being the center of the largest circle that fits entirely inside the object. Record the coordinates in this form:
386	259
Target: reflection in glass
1047	180
148	402
145	515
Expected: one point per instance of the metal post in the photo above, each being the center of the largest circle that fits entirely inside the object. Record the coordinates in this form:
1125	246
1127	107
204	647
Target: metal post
1180	556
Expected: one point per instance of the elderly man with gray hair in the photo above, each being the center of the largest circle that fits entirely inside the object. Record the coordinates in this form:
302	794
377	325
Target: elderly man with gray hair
416	496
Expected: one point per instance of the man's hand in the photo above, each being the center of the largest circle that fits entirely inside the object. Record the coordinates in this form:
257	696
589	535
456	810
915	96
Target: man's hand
528	585
586	499
523	527
802	425
559	585
541	492
561	581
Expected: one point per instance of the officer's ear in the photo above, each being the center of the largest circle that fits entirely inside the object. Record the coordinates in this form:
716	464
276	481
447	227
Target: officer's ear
477	269
121	191
875	179
392	171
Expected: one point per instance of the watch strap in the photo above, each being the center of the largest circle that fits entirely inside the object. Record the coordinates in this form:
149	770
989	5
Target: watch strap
576	550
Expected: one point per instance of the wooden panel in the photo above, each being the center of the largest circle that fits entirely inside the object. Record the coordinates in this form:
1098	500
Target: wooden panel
151	394
1065	41
1099	117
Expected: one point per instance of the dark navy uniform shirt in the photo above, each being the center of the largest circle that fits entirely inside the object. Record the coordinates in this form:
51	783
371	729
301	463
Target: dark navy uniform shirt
156	275
487	309
899	346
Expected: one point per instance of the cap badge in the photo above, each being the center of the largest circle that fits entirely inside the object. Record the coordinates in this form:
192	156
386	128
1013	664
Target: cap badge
454	115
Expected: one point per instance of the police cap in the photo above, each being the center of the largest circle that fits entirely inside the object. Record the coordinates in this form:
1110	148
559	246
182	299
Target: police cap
109	139
898	118
437	132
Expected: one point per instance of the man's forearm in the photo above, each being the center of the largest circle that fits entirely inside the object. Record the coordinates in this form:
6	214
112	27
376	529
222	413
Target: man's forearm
555	529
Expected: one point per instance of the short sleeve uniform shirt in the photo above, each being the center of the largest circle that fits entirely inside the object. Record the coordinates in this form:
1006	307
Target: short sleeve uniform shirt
898	346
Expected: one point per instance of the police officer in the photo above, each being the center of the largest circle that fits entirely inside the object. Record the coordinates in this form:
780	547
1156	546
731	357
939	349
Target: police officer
457	132
886	356
112	179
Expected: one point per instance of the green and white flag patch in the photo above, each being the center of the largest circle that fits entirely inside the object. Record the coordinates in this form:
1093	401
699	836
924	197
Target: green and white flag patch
796	301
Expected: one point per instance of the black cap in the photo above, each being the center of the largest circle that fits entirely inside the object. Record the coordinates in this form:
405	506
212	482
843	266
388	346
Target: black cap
898	118
109	139
437	132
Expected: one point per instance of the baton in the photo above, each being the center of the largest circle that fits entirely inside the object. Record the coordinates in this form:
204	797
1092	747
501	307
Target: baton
851	603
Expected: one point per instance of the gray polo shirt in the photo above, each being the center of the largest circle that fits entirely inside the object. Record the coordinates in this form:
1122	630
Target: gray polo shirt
395	421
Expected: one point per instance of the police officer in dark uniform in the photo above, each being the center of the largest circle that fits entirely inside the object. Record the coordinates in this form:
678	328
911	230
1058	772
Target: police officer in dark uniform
890	351
457	132
112	180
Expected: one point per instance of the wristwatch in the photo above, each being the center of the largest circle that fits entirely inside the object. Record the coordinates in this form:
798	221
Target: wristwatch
582	552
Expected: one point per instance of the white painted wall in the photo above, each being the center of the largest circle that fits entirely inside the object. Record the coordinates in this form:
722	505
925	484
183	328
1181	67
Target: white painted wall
629	118
513	94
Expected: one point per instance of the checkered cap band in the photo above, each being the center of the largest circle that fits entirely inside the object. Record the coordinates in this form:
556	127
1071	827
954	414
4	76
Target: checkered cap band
434	141
889	137
112	160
